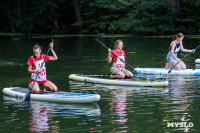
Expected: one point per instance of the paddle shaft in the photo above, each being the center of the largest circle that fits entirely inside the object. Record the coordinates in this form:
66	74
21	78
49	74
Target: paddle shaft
28	94
182	59
122	60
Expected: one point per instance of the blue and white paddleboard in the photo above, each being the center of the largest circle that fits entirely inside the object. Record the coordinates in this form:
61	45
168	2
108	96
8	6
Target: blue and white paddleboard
62	97
163	71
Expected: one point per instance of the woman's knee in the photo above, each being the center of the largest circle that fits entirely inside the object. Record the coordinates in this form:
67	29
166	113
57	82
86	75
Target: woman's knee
183	66
129	74
122	75
51	86
55	88
35	88
178	67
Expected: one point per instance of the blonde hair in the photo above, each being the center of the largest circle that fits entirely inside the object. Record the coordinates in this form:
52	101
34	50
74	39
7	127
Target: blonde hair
179	35
117	42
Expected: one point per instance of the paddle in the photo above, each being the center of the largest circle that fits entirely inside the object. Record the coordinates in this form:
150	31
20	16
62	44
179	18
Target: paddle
183	59
122	60
28	94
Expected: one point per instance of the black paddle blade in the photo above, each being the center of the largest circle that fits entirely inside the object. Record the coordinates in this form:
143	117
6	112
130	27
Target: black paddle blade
169	71
27	96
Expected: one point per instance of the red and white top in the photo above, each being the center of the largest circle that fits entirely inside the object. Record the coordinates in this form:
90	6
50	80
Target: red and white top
117	63
36	64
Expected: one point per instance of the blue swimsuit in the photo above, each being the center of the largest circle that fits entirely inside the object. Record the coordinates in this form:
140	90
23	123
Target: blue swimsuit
176	50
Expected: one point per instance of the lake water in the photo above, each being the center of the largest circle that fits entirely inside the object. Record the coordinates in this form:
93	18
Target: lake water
120	109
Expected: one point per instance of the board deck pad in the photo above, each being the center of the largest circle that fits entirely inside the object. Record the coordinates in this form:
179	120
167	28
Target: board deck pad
25	90
107	77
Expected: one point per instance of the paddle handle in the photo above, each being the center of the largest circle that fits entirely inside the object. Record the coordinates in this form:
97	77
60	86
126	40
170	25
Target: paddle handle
28	94
121	59
46	55
183	59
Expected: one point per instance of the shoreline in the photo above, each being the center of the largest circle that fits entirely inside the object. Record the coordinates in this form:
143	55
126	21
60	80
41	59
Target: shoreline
91	35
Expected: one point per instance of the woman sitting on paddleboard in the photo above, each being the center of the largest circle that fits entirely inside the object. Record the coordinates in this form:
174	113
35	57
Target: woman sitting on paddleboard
34	63
175	46
118	68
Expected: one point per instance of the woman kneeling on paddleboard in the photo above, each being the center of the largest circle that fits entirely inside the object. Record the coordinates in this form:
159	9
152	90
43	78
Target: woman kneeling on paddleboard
118	68
174	48
34	63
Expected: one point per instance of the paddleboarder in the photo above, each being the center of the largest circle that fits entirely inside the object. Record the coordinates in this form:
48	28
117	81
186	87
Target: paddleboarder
118	68
175	46
34	63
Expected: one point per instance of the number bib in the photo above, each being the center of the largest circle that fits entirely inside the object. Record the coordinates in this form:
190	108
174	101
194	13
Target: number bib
118	64
42	75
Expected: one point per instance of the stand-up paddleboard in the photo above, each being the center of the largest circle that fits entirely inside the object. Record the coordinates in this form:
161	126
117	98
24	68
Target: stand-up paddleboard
62	97
106	80
163	71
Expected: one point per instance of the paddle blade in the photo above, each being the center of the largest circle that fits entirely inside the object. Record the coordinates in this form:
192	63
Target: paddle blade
27	96
169	70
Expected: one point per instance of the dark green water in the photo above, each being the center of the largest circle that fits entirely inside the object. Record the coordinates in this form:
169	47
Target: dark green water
121	109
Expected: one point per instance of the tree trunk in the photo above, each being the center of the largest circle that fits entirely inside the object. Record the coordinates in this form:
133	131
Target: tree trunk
77	13
55	21
178	5
9	15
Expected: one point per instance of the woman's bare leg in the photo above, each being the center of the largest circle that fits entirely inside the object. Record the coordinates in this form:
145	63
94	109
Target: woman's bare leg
129	74
51	86
172	63
36	88
119	75
182	64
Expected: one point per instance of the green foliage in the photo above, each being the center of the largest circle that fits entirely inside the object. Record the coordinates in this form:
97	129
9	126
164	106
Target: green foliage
127	3
190	16
143	17
150	17
101	16
34	18
159	17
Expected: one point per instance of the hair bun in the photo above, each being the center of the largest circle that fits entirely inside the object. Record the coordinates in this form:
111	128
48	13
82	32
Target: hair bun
37	46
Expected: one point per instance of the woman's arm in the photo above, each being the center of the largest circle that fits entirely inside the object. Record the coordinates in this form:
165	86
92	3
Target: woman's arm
54	57
30	70
184	50
109	59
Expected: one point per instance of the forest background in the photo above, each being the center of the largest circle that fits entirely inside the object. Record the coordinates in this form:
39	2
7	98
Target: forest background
138	17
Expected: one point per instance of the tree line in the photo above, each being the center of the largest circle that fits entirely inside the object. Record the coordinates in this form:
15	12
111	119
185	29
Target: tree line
141	17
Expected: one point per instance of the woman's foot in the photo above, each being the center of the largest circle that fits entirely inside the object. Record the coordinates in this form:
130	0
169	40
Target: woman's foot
167	66
43	89
112	76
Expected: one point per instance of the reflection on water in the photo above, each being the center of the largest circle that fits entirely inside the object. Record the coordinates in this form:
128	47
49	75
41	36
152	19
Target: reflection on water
178	101
41	118
129	104
118	109
44	115
129	107
9	63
